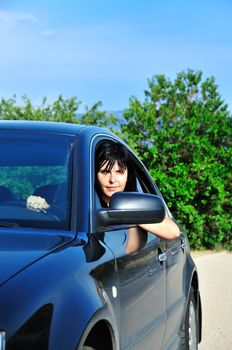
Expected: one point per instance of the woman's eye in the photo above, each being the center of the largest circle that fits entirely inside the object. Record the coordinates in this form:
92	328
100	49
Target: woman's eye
120	171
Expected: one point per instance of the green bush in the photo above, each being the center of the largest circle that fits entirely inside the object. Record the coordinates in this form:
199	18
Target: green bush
182	132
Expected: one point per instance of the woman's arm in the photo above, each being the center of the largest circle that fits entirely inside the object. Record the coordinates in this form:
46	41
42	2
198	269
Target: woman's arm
137	238
166	229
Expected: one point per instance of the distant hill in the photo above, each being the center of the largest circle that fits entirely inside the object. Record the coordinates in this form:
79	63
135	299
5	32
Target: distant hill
119	114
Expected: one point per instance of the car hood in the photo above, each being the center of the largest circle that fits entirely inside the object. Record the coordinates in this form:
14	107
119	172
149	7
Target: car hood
21	248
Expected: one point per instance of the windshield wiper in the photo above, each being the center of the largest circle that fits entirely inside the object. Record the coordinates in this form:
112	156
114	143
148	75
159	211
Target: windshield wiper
8	224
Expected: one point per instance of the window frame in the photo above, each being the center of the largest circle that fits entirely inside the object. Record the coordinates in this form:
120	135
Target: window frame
147	184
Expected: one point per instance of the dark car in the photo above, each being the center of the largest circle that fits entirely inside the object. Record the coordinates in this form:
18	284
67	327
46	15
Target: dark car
66	281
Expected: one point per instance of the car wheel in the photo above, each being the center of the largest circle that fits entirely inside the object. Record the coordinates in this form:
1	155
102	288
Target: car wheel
189	334
88	348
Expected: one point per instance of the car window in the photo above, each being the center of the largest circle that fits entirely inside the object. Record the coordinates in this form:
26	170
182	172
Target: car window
143	181
34	164
125	234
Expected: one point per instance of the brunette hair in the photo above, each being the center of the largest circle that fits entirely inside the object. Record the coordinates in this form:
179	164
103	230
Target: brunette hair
107	153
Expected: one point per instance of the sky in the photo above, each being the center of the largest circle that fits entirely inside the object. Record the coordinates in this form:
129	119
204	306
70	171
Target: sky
107	50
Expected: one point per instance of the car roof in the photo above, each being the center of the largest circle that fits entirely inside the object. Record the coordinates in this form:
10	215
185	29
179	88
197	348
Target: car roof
51	127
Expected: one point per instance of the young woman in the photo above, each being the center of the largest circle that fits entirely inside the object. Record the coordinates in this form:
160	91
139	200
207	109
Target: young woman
113	173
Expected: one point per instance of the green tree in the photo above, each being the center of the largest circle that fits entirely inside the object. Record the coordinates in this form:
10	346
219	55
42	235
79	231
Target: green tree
94	116
182	132
61	110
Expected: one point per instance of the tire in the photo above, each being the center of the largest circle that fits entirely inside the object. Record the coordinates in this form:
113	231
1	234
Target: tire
189	335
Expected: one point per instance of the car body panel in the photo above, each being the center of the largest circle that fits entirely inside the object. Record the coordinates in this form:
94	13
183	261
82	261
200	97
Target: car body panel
22	247
58	279
142	281
176	299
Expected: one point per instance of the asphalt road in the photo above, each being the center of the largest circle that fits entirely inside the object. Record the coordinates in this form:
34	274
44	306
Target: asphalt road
215	275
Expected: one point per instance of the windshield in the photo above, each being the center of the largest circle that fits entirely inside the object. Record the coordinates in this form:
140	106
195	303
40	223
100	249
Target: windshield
36	164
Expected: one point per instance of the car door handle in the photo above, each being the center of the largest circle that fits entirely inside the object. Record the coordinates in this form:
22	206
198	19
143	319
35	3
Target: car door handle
183	244
162	257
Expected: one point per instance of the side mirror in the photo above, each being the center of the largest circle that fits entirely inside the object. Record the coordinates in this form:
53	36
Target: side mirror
132	208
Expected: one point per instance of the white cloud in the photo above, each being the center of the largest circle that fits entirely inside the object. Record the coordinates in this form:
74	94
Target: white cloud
16	32
13	18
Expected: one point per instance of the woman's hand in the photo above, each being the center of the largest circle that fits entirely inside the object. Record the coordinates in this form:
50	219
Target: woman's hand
37	203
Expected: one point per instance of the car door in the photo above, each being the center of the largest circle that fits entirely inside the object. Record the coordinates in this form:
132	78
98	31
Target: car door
142	297
141	291
175	251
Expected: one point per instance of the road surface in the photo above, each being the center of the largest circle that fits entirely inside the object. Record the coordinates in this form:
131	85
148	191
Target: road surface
215	276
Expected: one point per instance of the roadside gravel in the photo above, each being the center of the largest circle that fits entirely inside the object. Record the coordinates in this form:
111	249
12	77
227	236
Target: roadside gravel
215	276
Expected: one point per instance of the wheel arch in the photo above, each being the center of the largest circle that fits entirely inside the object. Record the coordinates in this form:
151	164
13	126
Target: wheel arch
195	286
192	282
100	333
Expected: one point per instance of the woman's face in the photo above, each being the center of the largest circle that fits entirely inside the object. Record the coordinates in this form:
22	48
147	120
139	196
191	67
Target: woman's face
111	181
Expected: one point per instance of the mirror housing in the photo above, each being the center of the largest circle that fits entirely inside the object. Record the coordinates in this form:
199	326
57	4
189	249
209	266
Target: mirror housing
132	208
